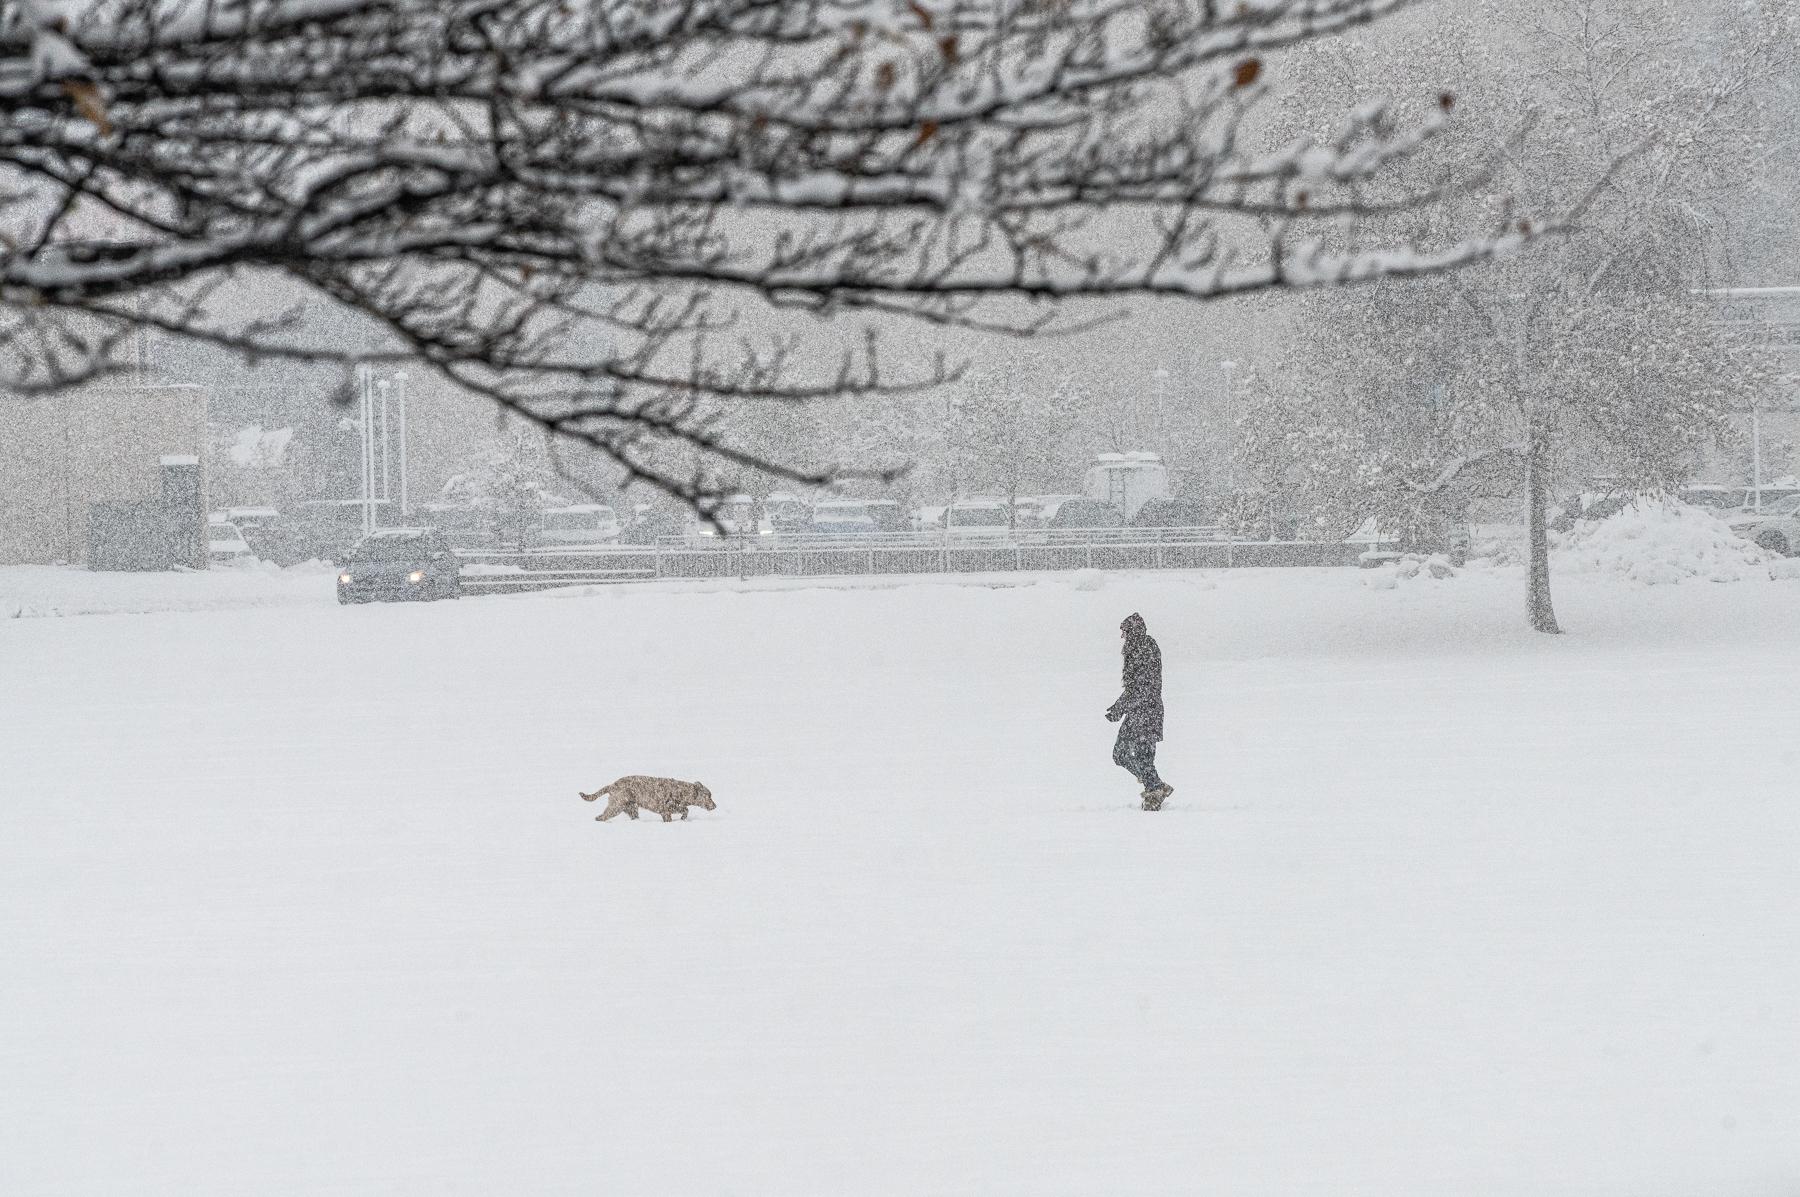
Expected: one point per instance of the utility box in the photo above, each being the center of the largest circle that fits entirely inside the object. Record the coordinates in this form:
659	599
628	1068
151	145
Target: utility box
184	498
132	536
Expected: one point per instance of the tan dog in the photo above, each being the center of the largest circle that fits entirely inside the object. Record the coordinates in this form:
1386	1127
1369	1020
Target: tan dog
659	795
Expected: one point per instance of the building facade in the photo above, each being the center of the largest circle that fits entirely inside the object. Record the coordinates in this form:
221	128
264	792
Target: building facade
105	477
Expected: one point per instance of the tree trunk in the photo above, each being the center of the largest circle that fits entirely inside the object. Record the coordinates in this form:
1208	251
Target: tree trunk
1537	486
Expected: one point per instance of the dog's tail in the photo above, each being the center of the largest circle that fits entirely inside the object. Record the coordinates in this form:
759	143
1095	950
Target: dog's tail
590	797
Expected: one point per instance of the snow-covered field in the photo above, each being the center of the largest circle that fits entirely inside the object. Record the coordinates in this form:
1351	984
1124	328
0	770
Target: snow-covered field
301	899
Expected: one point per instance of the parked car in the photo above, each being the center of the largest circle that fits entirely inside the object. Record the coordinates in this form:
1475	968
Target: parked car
888	515
1171	513
586	523
735	518
1589	505
842	517
1049	505
326	528
397	564
261	529
1424	537
1085	513
650	524
225	543
1728	501
1777	528
784	514
976	519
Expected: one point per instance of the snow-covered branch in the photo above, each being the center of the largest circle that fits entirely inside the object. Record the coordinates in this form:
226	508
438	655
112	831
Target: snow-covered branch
559	206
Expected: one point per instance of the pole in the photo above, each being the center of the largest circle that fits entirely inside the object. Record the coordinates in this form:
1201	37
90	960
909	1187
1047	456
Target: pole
381	391
1756	451
405	506
366	427
1229	367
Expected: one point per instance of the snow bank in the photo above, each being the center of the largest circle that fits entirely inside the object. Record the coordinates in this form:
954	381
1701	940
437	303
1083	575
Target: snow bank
1657	542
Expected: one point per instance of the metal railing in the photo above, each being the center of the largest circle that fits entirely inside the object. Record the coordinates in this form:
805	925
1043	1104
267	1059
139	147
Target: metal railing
898	553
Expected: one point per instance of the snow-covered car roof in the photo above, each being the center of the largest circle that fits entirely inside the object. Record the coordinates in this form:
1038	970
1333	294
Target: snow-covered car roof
399	533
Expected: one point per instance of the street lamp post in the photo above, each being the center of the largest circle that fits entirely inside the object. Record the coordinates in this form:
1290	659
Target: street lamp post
366	429
400	387
1756	451
387	490
1229	368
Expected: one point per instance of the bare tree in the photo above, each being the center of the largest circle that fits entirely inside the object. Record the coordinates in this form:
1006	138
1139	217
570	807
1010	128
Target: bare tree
595	213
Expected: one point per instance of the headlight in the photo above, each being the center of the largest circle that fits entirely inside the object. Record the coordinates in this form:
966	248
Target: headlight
767	531
345	579
417	575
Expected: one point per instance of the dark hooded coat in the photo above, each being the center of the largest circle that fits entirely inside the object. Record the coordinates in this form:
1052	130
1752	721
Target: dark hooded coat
1140	707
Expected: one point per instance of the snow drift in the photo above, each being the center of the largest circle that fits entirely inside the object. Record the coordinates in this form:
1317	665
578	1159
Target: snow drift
1659	542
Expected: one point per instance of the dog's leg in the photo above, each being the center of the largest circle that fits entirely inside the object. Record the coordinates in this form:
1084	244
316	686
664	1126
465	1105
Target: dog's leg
684	812
667	817
632	810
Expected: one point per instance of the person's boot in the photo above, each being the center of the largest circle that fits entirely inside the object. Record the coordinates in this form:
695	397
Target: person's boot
1153	798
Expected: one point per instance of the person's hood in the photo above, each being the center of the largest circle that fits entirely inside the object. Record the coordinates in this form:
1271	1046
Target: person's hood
1133	625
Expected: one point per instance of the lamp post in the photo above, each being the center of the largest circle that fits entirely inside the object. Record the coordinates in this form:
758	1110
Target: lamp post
366	427
1229	368
400	387
387	490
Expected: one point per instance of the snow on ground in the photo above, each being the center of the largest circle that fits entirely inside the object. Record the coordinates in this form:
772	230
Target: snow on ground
28	591
302	899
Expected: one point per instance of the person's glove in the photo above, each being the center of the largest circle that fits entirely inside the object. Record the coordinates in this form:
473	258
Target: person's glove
1114	714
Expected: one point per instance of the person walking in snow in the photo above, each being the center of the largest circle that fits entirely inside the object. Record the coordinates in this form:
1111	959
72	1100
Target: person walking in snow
1139	712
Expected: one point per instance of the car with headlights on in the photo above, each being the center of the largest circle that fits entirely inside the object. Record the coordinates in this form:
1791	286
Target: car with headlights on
398	564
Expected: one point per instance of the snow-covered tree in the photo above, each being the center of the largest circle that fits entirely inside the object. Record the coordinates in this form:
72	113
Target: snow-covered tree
1011	439
600	214
510	488
1590	357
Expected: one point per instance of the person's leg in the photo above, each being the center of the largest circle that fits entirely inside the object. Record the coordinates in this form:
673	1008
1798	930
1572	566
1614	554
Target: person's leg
1146	765
1137	757
1122	753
